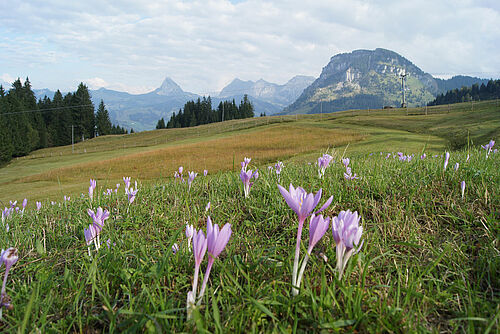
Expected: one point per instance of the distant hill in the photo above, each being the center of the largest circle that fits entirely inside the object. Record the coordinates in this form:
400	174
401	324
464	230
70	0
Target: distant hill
371	79
458	81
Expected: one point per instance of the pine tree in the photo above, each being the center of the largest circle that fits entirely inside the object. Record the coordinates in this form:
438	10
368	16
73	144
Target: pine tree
103	123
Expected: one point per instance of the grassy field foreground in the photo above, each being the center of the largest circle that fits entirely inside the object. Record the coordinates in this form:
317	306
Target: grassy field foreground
430	260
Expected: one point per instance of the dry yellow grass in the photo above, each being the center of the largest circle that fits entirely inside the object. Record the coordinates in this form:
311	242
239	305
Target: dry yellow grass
266	145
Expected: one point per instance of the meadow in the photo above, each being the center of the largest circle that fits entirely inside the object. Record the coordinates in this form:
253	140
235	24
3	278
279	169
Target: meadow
429	261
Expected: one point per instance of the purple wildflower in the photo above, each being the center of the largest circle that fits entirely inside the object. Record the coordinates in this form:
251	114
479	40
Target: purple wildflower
245	163
323	163
346	233
9	257
423	156
456	166
175	248
317	229
446	160
191	177
488	147
462	188
189	234
38	206
205	172
348	174
131	193
216	242
302	203
245	177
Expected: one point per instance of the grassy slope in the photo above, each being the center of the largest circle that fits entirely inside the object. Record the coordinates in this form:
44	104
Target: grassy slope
55	172
429	262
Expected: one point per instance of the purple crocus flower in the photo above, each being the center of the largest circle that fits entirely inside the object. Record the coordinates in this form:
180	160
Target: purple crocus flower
205	172
93	185
189	234
323	163
131	193
216	242
199	250
348	174
90	235
423	156
446	160
98	218
345	161
462	188
302	203
317	229
488	147
126	180
456	166
175	248
191	177
207	207
9	257
245	163
346	233
245	177
25	202
279	167
12	204
38	206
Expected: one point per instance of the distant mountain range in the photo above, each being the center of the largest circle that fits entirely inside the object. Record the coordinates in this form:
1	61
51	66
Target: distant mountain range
357	80
371	79
142	111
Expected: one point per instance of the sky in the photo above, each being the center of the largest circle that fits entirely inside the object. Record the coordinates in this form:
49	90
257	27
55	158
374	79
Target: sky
203	45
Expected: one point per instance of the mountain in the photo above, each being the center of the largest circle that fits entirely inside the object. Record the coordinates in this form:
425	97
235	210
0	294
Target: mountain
365	79
262	91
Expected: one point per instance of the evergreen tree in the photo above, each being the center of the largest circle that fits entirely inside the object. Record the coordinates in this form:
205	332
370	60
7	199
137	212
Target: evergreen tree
103	123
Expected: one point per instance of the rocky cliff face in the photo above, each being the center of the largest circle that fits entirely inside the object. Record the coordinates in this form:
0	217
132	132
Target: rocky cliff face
365	79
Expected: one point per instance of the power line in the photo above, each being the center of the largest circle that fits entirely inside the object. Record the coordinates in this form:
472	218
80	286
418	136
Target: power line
44	110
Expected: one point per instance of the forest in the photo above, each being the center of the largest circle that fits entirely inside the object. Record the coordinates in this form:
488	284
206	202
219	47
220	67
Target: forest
200	112
490	91
28	124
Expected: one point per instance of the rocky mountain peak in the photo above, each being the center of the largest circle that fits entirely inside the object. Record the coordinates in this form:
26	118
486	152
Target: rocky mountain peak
169	88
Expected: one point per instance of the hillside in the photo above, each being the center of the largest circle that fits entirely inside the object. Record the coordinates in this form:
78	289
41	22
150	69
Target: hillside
152	154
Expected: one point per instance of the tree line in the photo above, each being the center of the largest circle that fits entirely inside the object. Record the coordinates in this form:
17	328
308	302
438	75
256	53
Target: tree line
28	124
490	91
201	112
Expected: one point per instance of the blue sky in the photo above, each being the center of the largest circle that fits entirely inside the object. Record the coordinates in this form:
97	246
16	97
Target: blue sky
203	45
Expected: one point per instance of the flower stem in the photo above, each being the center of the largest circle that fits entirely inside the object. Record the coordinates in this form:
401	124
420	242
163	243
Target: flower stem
205	279
195	280
296	260
302	268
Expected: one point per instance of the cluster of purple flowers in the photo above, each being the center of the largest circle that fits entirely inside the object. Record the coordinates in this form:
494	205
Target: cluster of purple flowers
129	191
323	163
247	175
404	157
348	172
488	147
215	241
92	233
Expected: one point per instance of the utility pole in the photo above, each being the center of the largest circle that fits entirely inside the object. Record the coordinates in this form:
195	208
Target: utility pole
403	88
321	110
223	111
72	139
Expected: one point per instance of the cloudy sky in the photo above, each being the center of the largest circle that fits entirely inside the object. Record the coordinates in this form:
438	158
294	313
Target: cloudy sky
132	45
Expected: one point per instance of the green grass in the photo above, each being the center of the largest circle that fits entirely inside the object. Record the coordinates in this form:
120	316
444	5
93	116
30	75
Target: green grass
43	174
429	262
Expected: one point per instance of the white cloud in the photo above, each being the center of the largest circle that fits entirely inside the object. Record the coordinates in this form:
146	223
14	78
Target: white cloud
202	45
